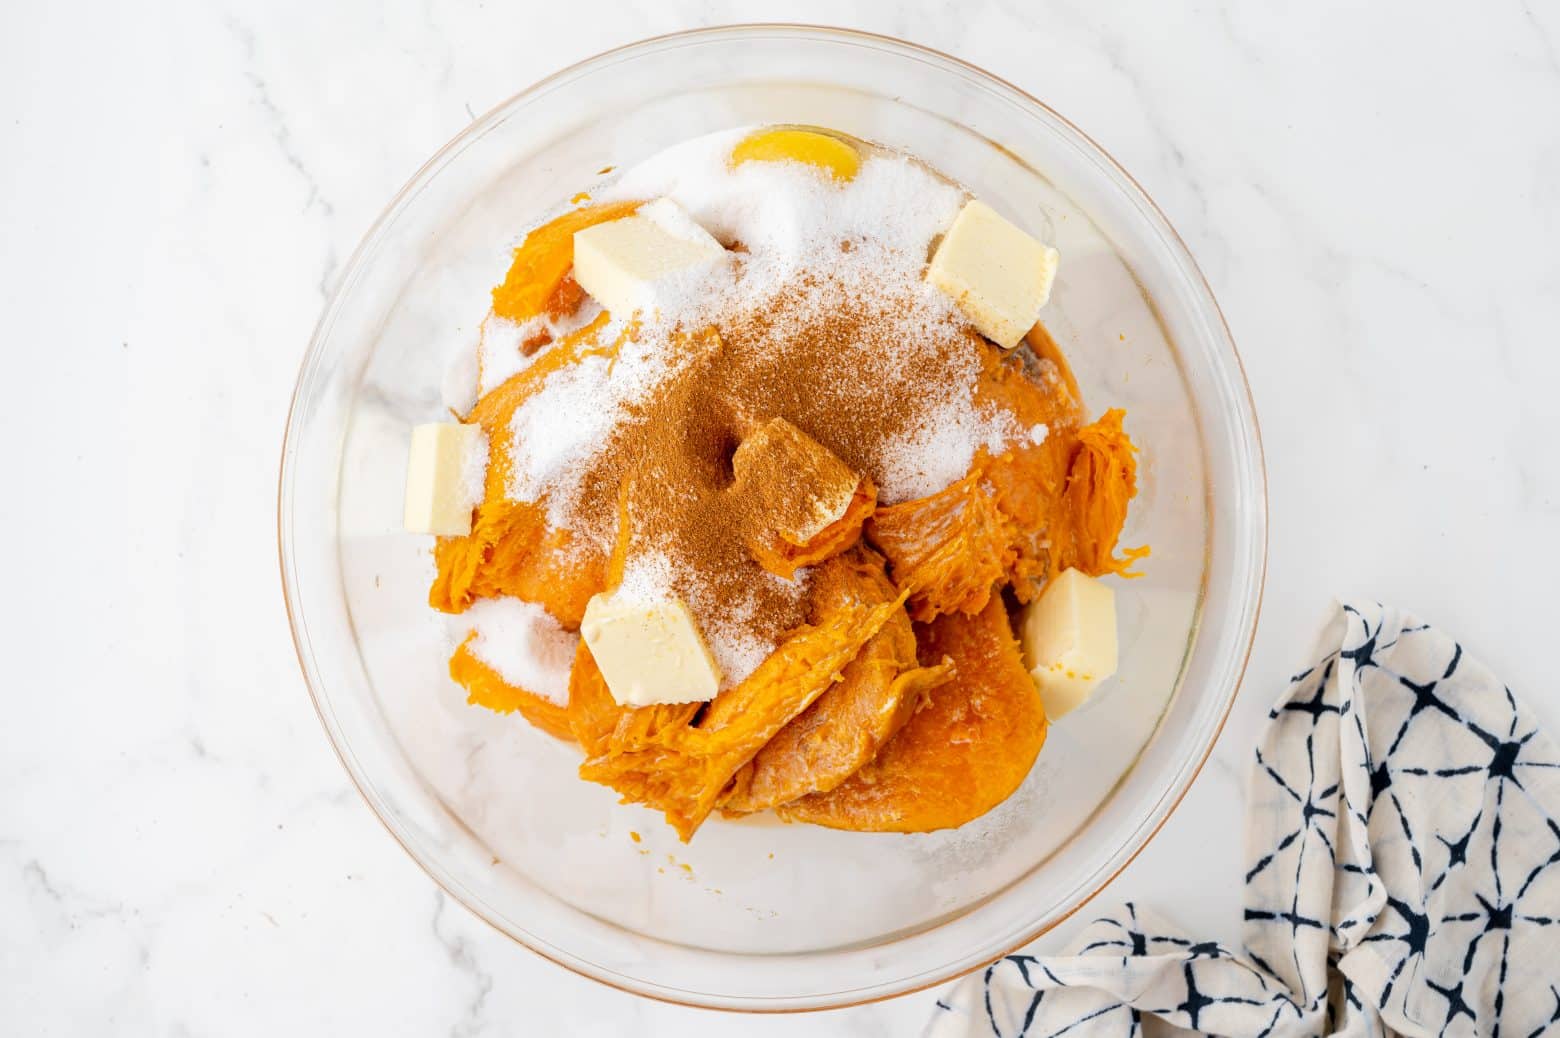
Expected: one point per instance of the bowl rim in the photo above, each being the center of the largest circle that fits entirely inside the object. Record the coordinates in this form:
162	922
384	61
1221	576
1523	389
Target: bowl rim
816	31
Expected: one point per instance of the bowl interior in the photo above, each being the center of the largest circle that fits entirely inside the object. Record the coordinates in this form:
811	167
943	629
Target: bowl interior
757	914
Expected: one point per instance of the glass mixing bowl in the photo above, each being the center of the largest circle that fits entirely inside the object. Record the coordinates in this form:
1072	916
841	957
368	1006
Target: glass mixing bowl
757	915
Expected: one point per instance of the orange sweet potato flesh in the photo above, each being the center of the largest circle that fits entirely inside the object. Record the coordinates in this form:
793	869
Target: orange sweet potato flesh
541	264
510	550
682	769
843	729
948	550
959	756
783	558
1020	516
1101	482
485	687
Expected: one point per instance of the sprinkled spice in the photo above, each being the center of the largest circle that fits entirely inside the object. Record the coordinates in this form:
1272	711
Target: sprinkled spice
822	319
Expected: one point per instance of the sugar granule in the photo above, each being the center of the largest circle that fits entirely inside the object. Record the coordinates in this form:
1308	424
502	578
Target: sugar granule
473	473
501	345
939	449
523	644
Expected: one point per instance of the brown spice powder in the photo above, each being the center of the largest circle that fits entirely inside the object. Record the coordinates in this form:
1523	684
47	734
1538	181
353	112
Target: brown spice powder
792	484
830	361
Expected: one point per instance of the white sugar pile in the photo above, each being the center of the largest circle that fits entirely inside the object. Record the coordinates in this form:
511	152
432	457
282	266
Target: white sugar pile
500	348
791	220
557	429
647	579
524	644
938	450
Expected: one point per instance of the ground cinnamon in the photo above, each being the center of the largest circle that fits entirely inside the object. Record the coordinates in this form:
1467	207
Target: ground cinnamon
832	363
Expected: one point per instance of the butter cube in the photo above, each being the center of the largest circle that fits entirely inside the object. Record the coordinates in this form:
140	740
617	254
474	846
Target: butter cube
1069	640
444	476
999	275
649	651
627	265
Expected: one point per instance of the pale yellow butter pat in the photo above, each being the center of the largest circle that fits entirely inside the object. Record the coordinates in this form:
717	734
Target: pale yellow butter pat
629	264
444	475
999	275
1069	639
649	652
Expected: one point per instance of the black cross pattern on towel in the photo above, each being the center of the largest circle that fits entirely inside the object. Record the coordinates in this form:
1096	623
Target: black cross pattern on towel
1404	848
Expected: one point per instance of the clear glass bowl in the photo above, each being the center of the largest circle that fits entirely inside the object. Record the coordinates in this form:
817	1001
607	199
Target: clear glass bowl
758	915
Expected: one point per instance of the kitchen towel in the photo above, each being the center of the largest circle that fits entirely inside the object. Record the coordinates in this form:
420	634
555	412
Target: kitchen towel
1404	873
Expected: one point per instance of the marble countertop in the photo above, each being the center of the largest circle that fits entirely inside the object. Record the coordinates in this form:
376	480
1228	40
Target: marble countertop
1372	190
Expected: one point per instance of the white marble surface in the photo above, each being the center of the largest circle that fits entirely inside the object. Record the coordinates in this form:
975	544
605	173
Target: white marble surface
1373	191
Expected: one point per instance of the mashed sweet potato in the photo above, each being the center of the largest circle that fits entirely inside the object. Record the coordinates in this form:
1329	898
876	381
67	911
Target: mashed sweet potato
902	703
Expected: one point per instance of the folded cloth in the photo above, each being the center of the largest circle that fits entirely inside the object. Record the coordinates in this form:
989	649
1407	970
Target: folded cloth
1404	841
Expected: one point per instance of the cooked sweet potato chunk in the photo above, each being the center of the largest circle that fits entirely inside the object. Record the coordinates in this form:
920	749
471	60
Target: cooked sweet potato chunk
683	769
510	550
959	756
1033	510
843	729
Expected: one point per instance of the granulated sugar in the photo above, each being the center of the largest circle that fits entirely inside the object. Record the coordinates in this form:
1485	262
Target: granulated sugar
739	646
648	578
571	418
499	353
788	219
505	348
557	430
790	216
524	644
939	449
473	474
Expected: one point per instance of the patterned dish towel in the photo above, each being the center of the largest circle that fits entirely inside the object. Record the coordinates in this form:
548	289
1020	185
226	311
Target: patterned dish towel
1404	841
